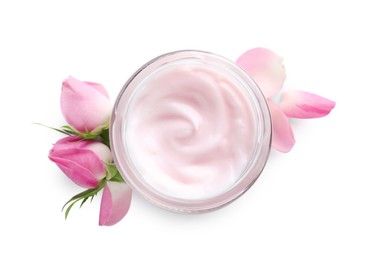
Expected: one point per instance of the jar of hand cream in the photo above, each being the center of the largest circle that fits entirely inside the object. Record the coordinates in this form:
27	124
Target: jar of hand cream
190	131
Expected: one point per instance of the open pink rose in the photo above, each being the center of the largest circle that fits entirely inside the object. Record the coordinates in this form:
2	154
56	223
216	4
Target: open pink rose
267	69
115	203
85	105
81	160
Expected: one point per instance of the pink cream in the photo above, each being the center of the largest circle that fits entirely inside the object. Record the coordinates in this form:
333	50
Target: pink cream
189	132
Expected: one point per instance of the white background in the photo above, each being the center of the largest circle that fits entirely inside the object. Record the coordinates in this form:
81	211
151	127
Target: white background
312	203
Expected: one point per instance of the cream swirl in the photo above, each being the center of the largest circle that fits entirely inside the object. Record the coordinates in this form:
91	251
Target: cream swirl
189	131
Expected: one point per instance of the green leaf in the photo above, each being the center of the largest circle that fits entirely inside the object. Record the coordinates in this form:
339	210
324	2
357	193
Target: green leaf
69	208
90	193
83	202
79	196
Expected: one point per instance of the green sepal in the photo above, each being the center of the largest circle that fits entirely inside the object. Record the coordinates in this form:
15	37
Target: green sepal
105	137
112	173
117	178
86	135
63	131
102	132
90	193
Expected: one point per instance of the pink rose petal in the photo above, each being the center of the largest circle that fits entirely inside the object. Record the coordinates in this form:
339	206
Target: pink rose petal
102	151
282	139
115	203
83	167
301	104
266	68
98	87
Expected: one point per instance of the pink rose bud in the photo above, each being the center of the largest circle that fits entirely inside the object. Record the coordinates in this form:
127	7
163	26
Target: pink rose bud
85	105
81	160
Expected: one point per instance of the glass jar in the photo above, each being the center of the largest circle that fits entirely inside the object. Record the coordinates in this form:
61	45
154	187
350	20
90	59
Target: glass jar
190	131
